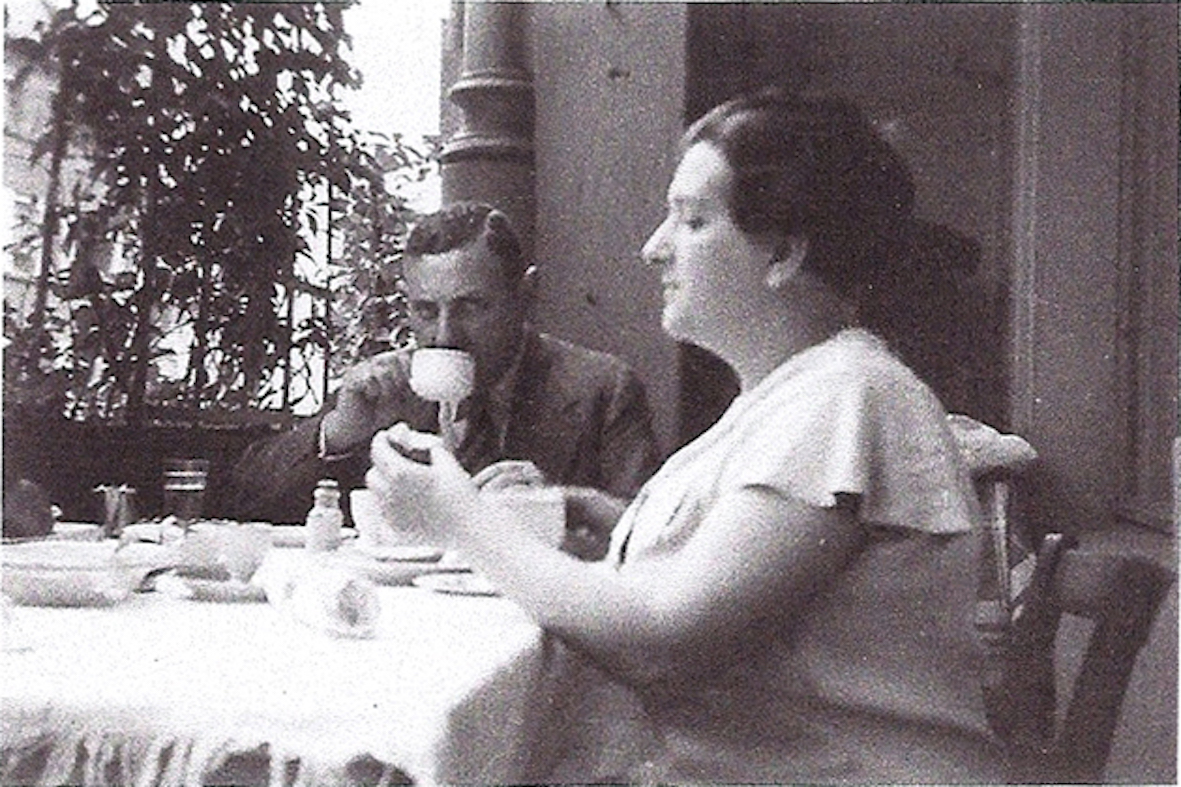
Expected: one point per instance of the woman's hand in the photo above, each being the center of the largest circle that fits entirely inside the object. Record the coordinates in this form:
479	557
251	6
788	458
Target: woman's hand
434	498
509	473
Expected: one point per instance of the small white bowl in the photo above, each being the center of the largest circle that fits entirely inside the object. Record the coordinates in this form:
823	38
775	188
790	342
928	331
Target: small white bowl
75	573
223	550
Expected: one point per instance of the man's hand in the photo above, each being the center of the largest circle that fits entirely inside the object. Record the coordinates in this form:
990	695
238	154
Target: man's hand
591	515
372	396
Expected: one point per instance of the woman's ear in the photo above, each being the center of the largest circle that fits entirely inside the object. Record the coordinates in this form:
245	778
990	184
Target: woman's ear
789	256
527	285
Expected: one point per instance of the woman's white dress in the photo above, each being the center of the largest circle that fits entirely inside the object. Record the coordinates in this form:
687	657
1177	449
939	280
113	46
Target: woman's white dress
876	681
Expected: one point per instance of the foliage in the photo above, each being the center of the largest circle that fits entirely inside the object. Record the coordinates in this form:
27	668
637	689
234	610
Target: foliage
217	143
369	308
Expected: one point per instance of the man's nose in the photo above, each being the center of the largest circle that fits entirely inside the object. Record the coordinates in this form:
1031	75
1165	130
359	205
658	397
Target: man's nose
449	330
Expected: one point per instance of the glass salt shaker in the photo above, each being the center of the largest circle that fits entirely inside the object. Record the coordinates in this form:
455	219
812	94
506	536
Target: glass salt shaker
325	518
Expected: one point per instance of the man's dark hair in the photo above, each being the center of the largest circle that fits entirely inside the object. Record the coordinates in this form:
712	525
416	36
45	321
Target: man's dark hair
464	223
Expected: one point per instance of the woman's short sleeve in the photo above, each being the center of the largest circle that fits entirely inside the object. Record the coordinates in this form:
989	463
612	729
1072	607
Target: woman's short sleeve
871	430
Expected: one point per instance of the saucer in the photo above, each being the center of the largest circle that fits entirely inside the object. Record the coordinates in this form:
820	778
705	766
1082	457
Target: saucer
407	553
211	590
456	584
385	572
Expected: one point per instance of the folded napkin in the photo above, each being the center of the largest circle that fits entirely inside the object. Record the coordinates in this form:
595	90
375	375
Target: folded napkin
330	599
985	449
12	634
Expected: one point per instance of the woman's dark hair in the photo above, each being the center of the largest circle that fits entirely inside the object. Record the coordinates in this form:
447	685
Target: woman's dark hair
463	223
816	168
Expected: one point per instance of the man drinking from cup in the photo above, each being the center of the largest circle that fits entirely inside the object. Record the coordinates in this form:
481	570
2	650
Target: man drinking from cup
513	402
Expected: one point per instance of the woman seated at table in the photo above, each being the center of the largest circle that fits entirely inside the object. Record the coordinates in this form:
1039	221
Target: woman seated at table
789	599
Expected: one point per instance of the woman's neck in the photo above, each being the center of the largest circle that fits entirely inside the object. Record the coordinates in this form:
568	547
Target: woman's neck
801	321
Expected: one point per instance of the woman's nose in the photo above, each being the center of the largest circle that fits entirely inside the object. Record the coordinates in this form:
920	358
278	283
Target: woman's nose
656	250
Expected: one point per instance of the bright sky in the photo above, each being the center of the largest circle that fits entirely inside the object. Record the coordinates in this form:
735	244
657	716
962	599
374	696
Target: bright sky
396	47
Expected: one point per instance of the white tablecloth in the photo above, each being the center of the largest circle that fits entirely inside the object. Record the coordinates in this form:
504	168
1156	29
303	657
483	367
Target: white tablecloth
451	689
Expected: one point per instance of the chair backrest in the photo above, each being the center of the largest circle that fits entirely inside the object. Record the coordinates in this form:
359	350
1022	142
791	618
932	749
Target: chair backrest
1120	594
1023	593
1019	623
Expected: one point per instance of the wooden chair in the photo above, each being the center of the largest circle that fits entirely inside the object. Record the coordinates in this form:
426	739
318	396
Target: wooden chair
1120	595
1021	601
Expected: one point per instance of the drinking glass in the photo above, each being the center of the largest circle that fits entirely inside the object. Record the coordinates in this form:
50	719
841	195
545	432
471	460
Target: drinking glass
184	488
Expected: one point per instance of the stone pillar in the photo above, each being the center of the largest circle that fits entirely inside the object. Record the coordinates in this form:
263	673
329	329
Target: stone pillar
490	157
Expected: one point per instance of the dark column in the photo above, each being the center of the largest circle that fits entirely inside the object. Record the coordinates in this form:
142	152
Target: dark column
490	156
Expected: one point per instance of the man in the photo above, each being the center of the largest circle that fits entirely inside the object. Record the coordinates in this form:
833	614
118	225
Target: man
578	416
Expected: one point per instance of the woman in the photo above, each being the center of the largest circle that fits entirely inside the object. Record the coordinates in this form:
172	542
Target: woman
789	598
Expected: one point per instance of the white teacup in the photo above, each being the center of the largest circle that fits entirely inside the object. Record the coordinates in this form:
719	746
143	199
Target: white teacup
373	529
376	531
541	508
440	374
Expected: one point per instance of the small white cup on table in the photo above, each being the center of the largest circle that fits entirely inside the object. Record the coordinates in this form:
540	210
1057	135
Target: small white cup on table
541	508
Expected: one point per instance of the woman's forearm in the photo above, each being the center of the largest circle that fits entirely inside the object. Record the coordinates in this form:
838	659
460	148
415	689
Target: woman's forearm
601	612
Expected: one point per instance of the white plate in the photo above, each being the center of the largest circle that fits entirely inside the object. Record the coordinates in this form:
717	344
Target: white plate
457	584
75	573
405	553
385	572
297	535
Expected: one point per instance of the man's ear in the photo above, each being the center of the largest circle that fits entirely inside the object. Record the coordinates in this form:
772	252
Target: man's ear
786	262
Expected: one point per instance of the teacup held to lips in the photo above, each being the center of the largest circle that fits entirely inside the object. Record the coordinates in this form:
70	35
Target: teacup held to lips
440	374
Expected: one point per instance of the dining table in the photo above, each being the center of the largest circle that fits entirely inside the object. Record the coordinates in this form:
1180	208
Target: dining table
160	689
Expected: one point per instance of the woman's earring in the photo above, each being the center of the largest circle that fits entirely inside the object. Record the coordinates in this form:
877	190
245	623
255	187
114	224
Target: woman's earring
786	262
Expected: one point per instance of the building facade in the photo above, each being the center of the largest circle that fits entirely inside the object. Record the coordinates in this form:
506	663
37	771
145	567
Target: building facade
1044	133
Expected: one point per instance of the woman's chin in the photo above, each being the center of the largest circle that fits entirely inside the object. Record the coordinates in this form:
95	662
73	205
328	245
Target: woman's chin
673	325
680	329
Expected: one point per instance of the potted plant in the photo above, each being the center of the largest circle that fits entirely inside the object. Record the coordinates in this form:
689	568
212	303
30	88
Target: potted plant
204	195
